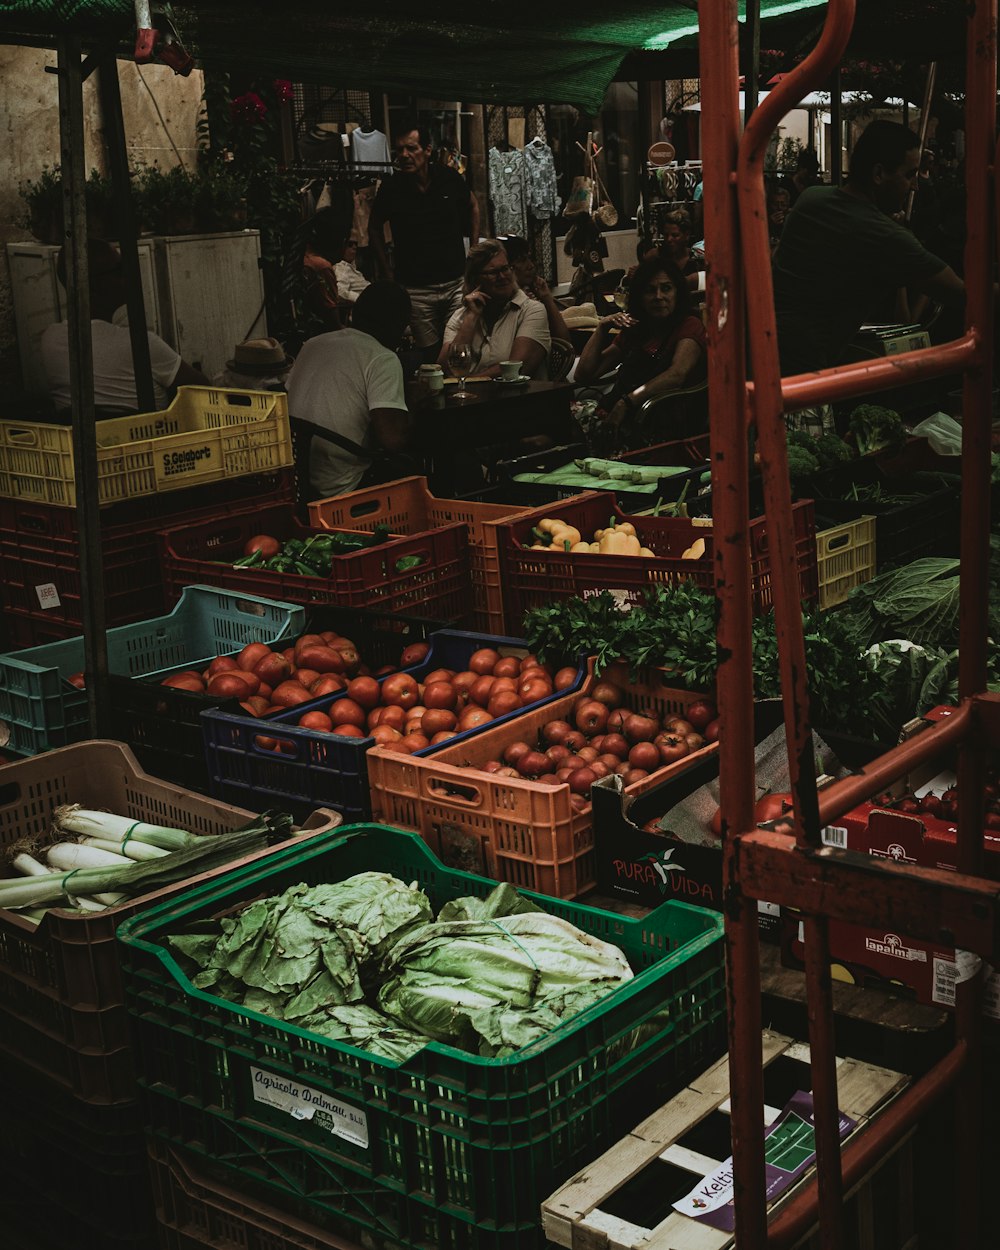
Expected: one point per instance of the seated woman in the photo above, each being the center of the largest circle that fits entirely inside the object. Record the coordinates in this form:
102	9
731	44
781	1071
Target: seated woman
532	283
497	318
677	245
660	347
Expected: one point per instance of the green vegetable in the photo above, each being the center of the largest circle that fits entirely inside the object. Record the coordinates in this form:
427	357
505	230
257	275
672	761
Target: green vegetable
490	975
133	879
302	951
493	986
801	462
830	451
253	560
875	428
918	602
405	563
908	681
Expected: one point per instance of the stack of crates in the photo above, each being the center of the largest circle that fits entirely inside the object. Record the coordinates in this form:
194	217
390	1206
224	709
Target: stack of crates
211	453
252	1118
72	1152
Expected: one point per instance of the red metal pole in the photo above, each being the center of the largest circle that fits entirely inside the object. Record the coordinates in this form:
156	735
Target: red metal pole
977	405
730	478
768	402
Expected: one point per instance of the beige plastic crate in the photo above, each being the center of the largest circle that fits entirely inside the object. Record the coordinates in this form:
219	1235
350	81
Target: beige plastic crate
845	558
206	435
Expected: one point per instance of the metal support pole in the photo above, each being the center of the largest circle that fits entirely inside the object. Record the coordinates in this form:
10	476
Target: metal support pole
126	229
720	121
81	375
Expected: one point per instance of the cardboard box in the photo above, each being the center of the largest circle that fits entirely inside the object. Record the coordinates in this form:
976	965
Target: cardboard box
874	959
685	861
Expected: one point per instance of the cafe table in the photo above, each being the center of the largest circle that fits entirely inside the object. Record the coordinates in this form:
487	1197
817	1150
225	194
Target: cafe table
456	437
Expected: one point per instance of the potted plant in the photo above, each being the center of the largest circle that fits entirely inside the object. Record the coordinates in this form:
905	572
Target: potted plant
167	203
221	197
43	201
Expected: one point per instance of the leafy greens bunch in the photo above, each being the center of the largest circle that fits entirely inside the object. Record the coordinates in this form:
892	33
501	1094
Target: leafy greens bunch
364	961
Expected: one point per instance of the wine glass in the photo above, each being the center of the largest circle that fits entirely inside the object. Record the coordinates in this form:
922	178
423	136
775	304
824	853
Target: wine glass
462	359
620	294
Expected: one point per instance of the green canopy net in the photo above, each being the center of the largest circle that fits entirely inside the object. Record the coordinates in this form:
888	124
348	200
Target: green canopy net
496	50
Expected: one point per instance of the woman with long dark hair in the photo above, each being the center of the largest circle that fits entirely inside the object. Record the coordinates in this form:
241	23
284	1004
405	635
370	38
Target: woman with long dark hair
660	343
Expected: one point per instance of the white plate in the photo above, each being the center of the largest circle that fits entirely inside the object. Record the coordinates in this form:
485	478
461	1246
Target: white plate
514	381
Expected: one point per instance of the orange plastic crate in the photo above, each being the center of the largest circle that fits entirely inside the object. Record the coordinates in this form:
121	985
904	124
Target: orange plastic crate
408	507
509	828
534	578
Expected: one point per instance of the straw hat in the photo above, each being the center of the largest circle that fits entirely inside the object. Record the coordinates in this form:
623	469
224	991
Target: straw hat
581	317
263	356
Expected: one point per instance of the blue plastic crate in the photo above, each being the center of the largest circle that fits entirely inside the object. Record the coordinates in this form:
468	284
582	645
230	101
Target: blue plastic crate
448	1148
323	769
40	708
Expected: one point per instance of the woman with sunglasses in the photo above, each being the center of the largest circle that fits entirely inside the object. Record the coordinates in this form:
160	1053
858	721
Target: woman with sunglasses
497	319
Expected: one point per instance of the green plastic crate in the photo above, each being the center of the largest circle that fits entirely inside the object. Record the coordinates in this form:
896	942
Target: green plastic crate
39	709
473	1145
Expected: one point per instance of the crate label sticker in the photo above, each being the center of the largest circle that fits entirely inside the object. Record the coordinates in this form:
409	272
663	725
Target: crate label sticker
789	1149
834	835
303	1103
48	595
947	974
173	467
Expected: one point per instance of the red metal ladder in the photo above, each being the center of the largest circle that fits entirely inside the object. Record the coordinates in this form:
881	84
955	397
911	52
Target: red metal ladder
825	883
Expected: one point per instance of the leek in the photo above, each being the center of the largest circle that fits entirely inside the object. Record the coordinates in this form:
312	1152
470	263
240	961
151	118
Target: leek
69	855
132	849
71	818
28	866
132	879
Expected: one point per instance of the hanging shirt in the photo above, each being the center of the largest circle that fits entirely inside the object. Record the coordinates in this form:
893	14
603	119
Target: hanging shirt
364	198
540	171
370	147
508	192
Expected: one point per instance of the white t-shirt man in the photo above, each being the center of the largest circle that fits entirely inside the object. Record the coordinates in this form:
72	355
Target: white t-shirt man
114	378
523	318
337	381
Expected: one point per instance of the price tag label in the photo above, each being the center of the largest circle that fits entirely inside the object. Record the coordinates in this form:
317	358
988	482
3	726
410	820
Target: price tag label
48	596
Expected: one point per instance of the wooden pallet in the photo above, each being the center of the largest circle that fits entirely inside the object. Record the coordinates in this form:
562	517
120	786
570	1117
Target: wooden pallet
622	1201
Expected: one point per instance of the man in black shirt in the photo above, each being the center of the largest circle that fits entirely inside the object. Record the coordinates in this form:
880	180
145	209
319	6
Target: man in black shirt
429	209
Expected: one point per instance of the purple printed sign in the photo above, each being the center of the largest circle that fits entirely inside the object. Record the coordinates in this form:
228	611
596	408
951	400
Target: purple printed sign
789	1150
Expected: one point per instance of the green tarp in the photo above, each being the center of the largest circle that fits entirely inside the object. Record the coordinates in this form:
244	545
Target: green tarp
494	50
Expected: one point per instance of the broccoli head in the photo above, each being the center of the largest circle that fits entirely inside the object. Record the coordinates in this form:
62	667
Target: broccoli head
801	463
831	450
876	428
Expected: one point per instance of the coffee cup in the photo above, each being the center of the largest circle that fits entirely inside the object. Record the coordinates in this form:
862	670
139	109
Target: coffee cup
432	377
510	370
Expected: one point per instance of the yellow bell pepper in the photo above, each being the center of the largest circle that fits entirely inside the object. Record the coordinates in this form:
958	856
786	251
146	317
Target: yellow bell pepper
615	542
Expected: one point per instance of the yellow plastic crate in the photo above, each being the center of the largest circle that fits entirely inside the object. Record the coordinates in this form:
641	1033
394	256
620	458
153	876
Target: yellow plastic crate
206	434
845	558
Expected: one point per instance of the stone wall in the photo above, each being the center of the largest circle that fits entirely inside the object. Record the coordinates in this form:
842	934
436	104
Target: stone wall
30	112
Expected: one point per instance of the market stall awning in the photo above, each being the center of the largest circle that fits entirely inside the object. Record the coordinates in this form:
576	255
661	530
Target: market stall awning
495	50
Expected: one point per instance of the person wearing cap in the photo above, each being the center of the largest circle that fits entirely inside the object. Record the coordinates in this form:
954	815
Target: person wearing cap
114	374
351	383
257	365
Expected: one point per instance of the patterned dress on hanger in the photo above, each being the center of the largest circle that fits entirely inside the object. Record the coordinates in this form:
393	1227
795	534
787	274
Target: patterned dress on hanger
508	192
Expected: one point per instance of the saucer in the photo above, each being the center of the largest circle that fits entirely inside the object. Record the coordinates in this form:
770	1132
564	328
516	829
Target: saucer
521	377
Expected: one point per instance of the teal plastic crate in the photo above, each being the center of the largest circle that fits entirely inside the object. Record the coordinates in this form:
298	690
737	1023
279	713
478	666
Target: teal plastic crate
470	1144
41	710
